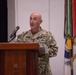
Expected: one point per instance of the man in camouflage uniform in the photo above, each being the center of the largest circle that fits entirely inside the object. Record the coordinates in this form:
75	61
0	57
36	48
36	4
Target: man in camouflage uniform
48	47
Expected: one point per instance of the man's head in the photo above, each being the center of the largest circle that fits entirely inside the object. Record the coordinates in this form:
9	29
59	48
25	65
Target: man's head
35	21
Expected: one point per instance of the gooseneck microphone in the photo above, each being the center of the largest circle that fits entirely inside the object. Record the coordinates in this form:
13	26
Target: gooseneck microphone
14	32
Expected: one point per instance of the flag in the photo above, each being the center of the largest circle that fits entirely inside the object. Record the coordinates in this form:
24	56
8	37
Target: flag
74	18
68	34
74	37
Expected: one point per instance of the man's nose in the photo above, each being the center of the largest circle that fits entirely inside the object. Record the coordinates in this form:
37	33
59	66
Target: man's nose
31	21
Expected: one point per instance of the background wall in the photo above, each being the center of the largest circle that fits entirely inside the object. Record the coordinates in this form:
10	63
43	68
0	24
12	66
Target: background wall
57	28
25	7
53	20
11	16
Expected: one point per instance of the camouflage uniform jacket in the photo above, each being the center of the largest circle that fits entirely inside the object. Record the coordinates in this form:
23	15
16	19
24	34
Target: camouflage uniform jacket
45	39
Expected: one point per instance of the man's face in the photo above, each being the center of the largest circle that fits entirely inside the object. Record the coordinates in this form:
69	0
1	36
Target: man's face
35	21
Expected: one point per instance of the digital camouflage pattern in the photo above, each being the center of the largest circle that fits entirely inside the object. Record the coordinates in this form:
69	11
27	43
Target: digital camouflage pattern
46	41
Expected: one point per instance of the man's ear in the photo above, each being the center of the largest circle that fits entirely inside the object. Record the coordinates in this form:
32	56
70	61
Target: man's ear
41	21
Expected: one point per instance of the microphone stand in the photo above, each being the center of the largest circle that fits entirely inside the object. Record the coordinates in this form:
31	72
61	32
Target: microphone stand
12	38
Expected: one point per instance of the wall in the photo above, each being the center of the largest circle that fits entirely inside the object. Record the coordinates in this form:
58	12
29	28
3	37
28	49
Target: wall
57	28
25	7
11	17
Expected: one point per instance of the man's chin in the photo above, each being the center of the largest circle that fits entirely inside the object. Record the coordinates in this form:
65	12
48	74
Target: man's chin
32	27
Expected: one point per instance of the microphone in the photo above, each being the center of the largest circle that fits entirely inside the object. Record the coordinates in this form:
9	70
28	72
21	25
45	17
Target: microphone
14	32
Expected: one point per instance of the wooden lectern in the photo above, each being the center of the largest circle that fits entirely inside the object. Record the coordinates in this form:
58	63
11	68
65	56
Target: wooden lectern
19	59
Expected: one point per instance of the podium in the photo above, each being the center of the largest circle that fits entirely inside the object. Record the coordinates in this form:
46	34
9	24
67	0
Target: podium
19	58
